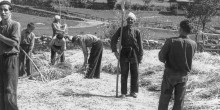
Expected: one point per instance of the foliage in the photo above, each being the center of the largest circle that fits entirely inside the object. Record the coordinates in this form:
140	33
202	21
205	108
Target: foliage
111	3
146	2
202	11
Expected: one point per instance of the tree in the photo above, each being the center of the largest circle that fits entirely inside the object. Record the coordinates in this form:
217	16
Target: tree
201	12
146	2
111	3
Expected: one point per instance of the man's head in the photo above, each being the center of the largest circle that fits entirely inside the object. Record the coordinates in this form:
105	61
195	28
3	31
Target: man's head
5	10
131	19
57	18
30	27
60	36
185	27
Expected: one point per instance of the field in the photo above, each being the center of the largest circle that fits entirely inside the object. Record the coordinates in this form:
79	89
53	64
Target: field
66	88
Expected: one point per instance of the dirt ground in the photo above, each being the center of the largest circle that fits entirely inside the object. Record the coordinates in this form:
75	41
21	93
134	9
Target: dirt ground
76	93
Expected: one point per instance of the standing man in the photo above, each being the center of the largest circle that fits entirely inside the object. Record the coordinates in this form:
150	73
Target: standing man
57	26
131	54
177	54
9	50
26	44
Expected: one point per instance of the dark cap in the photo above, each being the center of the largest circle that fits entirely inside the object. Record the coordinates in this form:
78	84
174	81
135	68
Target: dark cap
6	3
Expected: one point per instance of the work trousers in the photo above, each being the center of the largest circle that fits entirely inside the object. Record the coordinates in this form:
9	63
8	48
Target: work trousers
95	59
129	62
53	55
173	81
24	62
8	82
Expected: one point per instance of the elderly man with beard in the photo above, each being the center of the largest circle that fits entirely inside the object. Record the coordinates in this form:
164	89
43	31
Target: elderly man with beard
9	50
131	54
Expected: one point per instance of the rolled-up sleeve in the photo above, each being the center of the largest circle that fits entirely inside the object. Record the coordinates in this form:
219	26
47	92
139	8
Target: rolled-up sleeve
163	54
16	33
114	40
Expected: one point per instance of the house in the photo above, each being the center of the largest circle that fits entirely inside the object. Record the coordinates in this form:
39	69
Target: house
177	6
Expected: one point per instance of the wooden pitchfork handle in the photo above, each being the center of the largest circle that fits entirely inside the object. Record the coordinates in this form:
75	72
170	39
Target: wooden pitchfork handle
42	76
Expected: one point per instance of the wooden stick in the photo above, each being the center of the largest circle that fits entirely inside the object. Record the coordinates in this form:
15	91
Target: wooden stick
42	76
122	21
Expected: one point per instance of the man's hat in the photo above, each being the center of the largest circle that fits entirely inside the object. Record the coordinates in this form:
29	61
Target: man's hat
6	2
57	17
132	15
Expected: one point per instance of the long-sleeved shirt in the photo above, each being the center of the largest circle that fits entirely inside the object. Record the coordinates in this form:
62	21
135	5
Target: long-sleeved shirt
177	53
130	38
27	38
12	31
58	42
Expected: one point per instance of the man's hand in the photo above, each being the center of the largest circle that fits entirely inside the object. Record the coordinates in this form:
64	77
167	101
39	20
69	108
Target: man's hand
117	55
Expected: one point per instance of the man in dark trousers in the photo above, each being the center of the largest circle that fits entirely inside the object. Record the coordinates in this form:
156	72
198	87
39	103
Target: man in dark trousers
57	45
27	44
131	54
177	54
9	50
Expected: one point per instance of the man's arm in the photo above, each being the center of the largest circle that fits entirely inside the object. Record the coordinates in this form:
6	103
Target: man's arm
32	41
63	48
15	36
140	45
85	52
163	54
57	29
51	45
114	41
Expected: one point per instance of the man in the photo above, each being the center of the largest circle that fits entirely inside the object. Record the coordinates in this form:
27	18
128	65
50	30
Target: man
9	50
57	45
87	41
177	54
26	44
57	27
131	54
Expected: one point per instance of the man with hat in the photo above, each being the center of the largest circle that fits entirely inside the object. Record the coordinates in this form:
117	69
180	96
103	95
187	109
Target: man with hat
57	26
130	56
9	50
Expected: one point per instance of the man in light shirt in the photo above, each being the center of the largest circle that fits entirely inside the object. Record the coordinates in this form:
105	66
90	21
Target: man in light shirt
57	45
27	44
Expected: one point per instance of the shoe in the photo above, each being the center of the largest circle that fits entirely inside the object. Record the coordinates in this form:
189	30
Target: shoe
123	96
133	95
31	78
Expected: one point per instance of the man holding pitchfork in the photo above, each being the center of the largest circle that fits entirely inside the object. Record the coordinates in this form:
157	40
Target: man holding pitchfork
130	55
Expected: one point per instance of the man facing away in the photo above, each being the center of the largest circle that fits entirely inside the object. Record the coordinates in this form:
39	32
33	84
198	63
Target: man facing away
27	45
9	50
177	54
131	54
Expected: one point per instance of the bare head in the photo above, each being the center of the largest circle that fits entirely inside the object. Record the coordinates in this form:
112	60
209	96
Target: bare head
30	27
185	27
5	10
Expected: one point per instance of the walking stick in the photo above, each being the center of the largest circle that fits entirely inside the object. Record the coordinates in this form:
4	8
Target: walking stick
42	76
122	23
